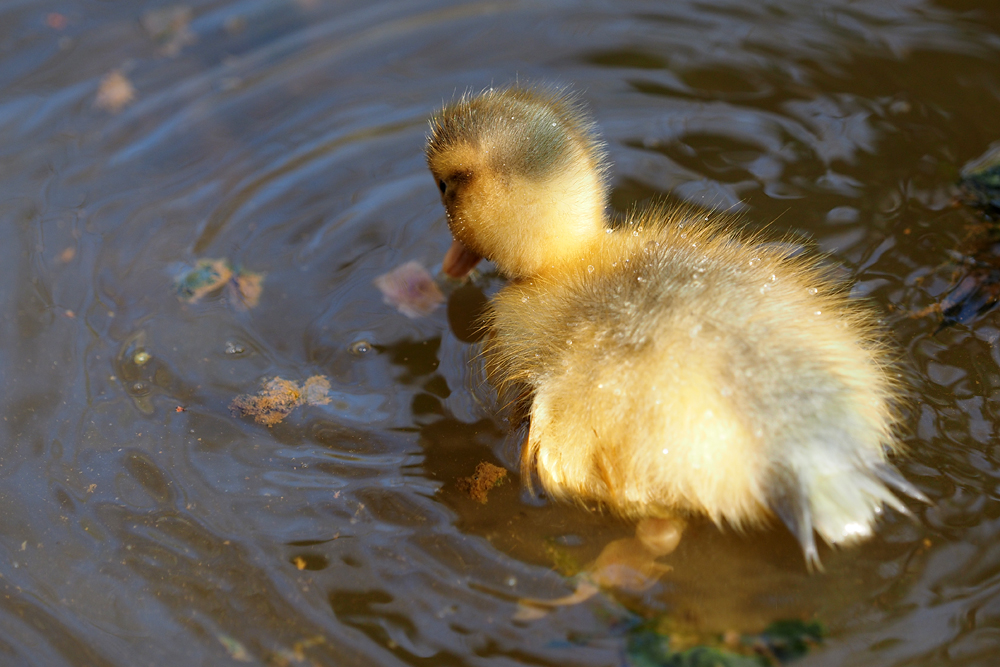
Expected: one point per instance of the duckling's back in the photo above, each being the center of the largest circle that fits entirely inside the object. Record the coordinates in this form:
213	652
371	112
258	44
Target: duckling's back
681	368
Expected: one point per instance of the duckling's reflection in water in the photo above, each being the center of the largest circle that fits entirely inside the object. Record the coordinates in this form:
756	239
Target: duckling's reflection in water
668	366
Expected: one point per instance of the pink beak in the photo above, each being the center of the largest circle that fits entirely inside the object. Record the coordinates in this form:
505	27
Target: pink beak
459	260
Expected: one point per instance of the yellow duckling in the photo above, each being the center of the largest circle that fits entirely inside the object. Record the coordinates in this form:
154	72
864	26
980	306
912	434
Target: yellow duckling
671	367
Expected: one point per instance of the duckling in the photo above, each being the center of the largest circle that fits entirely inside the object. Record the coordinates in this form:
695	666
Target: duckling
670	366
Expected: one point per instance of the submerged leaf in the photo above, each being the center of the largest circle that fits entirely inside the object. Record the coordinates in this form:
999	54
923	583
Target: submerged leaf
650	645
246	288
647	648
316	390
410	289
243	288
206	276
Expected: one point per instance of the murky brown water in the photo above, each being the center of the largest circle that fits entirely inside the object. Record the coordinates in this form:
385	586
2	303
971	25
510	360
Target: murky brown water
287	137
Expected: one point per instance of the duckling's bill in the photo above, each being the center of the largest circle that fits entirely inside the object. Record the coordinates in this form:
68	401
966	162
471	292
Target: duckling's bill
459	260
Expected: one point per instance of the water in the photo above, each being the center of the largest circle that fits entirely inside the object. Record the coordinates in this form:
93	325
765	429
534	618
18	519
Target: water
287	138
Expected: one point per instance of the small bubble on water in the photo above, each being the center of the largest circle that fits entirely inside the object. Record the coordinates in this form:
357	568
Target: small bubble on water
141	358
233	348
524	299
590	268
360	347
755	261
813	290
512	581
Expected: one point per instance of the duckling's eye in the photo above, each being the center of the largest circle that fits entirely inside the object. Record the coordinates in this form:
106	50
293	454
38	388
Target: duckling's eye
442	186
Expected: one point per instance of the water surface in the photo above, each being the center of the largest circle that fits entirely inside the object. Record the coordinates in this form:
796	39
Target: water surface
286	137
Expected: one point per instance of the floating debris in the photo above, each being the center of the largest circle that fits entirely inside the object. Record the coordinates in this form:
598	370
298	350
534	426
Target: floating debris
55	20
316	390
975	280
243	288
246	289
170	28
410	289
278	397
114	92
235	649
234	348
477	485
980	180
205	277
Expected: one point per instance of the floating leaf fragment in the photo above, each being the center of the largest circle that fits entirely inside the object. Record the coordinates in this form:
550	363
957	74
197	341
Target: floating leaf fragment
243	288
206	276
235	649
477	485
278	397
170	28
114	92
410	289
246	289
316	390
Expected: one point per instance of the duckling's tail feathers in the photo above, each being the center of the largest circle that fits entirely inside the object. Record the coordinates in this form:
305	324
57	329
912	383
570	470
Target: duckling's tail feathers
888	474
841	504
790	502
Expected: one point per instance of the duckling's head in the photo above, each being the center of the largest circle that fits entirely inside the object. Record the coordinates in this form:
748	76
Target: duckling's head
521	173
